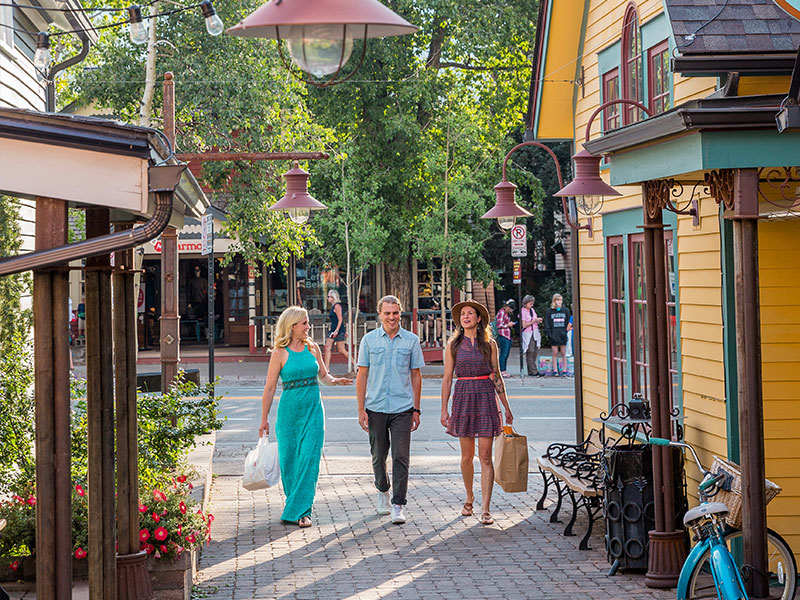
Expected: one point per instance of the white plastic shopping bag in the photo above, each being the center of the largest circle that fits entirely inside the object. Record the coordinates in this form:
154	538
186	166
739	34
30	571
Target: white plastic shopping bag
261	467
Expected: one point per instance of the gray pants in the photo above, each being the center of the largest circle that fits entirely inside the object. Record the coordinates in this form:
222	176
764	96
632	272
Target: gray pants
530	358
390	430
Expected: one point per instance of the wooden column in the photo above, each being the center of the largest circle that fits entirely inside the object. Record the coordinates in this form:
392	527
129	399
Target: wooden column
100	416
133	578
53	446
748	358
170	319
666	544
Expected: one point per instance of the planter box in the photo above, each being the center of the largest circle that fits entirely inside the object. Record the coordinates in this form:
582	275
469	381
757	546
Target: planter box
172	580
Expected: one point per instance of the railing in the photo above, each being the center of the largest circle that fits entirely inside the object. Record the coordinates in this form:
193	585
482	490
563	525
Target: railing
427	324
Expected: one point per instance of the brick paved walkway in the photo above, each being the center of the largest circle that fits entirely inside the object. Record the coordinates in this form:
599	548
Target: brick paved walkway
350	552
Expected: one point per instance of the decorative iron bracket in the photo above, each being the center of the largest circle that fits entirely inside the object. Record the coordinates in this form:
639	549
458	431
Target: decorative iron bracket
659	194
720	184
785	181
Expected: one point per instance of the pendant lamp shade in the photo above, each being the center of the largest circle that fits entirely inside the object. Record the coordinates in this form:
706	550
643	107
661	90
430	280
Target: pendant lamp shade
362	18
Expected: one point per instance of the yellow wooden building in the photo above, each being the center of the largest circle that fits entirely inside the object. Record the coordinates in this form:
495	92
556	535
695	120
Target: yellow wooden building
713	74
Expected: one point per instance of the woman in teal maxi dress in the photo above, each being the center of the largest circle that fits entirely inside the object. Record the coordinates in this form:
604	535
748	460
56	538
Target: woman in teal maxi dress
300	424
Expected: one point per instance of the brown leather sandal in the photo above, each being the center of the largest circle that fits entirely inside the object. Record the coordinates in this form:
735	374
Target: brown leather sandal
486	519
304	522
467	510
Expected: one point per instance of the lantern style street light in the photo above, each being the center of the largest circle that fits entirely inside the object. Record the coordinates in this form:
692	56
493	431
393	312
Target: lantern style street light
506	210
588	188
297	202
320	33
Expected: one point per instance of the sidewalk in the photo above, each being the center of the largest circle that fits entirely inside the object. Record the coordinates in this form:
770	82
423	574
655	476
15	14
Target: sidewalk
350	552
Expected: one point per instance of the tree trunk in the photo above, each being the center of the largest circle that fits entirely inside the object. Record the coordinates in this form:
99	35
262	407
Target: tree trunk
150	72
398	282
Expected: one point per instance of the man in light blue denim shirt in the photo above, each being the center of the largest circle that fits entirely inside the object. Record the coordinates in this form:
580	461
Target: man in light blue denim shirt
388	388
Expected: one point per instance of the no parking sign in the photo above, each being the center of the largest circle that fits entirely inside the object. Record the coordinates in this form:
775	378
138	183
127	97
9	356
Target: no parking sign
519	241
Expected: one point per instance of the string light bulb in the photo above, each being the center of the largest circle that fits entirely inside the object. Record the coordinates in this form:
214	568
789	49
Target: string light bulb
42	57
138	30
214	25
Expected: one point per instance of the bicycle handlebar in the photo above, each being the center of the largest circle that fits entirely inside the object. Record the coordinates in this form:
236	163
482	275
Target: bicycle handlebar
656	441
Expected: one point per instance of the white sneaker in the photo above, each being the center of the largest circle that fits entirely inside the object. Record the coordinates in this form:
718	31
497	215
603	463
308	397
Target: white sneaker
384	503
398	518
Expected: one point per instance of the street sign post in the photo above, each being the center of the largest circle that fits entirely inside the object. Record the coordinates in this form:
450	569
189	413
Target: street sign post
207	249
517	273
519	241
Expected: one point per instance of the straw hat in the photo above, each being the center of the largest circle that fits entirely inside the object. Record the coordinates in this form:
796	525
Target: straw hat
480	308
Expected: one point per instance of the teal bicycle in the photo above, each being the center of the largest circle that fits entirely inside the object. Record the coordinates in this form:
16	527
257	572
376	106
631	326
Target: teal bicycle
714	568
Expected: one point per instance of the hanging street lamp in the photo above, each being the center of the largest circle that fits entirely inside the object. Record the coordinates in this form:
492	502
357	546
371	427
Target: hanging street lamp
297	202
320	33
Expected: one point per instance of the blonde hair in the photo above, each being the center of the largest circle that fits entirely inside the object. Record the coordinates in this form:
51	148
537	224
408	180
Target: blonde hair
555	297
389	300
335	294
290	317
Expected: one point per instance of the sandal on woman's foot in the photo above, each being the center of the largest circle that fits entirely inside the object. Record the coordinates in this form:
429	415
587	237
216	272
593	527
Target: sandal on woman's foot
467	510
486	519
304	522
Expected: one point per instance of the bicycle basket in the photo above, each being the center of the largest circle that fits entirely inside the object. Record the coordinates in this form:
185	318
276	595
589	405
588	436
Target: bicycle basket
731	489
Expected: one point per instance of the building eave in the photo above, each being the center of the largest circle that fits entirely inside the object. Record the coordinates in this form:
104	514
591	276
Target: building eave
711	65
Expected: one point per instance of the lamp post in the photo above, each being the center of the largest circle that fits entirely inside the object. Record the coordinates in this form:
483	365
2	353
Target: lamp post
319	34
666	542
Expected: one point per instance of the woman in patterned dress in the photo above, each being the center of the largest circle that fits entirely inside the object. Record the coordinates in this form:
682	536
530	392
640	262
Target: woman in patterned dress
472	356
300	425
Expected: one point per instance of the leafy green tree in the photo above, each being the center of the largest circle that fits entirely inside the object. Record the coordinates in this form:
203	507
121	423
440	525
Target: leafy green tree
468	60
14	321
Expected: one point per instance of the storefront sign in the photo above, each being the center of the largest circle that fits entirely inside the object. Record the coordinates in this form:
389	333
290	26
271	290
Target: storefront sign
790	6
517	271
519	241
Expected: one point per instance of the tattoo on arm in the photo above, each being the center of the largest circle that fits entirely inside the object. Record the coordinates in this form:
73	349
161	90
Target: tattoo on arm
498	384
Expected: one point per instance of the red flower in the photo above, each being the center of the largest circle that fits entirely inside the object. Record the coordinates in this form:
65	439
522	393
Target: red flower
190	538
144	535
149	548
180	529
210	517
161	534
179	550
181	479
156	518
80	553
19	499
182	506
163	548
159	496
14	566
142	508
32	500
191	487
80	491
200	512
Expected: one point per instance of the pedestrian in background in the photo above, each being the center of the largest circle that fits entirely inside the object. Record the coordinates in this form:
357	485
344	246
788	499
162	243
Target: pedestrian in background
531	339
555	324
504	324
337	332
472	356
388	390
300	424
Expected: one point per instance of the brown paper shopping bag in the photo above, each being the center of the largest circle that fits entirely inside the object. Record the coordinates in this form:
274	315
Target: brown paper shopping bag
511	461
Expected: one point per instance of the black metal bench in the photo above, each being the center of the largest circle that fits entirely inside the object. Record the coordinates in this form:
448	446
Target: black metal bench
575	471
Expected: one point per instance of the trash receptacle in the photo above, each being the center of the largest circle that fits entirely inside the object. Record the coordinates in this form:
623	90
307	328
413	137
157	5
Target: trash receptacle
628	503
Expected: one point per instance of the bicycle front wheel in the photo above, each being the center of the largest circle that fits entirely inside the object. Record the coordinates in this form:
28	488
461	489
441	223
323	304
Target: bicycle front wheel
781	567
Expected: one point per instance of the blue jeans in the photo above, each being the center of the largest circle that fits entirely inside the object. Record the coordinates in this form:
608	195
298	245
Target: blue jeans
504	345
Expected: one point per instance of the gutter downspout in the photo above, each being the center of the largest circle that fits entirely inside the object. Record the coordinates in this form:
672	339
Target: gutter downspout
163	181
50	101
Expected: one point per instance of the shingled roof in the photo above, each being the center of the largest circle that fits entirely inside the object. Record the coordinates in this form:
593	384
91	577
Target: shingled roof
743	26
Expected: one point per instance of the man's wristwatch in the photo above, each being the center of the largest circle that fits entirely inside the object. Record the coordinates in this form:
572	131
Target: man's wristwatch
416	410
